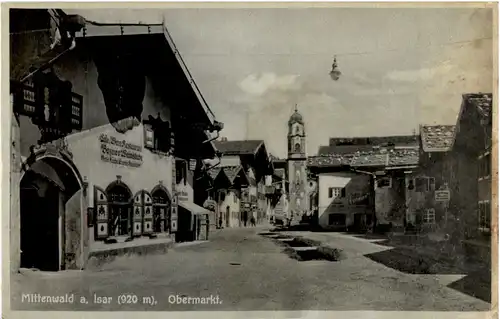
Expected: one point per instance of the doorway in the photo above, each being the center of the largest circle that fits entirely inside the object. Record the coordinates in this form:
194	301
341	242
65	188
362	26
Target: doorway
40	246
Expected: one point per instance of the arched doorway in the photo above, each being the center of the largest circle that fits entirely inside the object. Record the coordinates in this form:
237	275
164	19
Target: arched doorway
120	209
161	210
45	188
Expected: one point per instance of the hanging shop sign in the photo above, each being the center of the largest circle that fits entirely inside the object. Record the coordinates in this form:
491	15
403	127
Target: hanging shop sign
121	152
183	195
192	164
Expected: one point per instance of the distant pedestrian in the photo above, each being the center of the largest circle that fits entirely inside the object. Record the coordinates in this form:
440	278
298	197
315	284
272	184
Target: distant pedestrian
252	221
245	218
220	222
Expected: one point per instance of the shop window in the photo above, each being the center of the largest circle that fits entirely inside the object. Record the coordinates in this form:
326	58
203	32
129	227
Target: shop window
180	171
484	217
161	210
429	216
120	206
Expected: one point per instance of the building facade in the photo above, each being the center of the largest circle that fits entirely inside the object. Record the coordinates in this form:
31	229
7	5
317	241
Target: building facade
252	161
101	147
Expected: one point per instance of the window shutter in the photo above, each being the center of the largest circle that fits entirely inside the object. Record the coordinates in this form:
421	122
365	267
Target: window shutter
102	213
173	214
148	136
138	212
147	224
330	192
342	192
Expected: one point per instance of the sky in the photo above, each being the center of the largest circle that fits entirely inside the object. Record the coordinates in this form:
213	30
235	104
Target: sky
401	67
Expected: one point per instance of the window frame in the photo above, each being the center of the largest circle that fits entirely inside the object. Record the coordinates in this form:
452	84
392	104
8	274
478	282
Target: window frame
430	184
427	213
484	206
385	178
157	142
484	166
181	167
336	190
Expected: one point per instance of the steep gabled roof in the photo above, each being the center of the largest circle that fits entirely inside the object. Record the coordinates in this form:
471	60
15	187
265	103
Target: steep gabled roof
214	172
437	138
233	171
482	103
246	147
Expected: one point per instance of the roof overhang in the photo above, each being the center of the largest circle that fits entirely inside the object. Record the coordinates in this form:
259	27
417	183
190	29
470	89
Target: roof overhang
136	27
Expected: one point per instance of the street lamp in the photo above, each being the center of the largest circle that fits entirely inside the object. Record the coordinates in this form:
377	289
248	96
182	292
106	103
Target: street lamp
335	73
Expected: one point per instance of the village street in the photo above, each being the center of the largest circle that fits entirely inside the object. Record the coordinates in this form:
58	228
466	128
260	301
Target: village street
247	271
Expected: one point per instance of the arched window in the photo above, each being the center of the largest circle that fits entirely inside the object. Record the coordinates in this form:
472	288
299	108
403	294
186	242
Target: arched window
119	207
161	210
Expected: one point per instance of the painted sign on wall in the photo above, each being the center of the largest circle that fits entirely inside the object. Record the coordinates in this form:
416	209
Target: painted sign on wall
120	151
442	195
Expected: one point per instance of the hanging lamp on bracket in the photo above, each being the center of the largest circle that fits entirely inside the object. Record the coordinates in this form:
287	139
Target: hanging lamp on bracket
335	73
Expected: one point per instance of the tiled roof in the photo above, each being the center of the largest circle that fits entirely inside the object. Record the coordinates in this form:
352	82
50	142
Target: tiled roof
373	158
345	145
437	138
275	159
343	149
483	103
247	147
403	157
324	161
383	157
401	140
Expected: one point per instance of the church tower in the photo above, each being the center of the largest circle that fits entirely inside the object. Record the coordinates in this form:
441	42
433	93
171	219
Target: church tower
297	165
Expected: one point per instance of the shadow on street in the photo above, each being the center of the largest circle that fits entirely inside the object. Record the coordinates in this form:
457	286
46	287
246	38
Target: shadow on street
476	283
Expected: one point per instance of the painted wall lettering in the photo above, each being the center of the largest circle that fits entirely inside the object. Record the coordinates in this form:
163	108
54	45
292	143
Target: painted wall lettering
121	152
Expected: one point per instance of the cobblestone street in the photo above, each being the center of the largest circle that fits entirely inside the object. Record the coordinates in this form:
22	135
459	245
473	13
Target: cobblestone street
247	271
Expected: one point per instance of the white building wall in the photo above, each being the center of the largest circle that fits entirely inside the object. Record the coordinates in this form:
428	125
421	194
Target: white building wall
233	202
86	150
353	183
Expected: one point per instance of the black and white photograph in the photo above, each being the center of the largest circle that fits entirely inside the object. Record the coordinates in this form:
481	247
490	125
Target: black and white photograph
251	157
